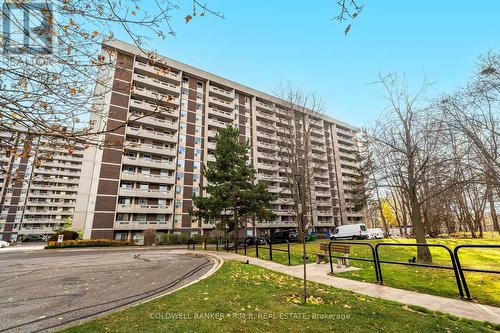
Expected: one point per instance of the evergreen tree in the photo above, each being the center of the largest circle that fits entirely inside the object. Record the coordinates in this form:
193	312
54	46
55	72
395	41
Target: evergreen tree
231	195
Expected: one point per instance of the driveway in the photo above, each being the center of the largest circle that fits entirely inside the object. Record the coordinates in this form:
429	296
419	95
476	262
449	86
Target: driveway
44	291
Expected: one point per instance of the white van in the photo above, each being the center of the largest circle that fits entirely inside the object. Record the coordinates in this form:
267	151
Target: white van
375	233
350	231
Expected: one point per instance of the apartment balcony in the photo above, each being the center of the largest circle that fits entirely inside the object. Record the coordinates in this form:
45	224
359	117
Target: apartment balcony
266	135
325	203
266	145
144	209
56	180
276	224
50	204
53	187
176	77
48	212
324	213
65	165
221	113
149	178
267	166
67	158
143	133
149	120
221	103
260	176
345	140
226	94
218	123
267	125
264	106
317	141
323	193
212	133
43	171
37	230
267	115
170	87
211	145
349	163
149	148
210	158
286	212
143	225
349	172
156	96
161	164
151	108
143	193
52	195
267	156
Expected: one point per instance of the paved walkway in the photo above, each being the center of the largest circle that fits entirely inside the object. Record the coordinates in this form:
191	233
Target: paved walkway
319	273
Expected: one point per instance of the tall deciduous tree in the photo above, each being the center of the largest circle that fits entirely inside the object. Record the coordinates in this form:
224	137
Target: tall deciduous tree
232	195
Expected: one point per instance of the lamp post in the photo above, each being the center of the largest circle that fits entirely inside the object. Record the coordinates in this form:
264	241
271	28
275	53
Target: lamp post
302	233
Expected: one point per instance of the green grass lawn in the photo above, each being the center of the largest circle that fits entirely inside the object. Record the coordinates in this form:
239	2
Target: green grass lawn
247	298
485	288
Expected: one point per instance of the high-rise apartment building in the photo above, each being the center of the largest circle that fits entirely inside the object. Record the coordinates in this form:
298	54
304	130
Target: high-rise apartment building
39	182
162	118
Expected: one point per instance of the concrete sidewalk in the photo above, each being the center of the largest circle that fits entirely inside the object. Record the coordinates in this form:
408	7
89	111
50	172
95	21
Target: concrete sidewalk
319	273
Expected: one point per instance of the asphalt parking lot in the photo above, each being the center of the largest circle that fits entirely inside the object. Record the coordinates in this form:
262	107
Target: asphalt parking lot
44	291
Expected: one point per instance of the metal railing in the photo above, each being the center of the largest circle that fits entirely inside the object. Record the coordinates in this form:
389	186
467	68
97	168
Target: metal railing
373	260
263	243
452	258
461	270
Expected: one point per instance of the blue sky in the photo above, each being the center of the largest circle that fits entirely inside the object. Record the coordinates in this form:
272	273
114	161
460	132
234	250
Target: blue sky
263	43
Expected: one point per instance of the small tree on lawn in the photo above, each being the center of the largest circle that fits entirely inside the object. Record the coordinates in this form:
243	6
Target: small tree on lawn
231	195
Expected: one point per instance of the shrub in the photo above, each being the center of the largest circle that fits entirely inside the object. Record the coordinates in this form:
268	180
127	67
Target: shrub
68	235
149	237
87	243
179	239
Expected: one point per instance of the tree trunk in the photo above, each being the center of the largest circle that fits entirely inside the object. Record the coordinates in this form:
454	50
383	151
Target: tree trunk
493	211
423	252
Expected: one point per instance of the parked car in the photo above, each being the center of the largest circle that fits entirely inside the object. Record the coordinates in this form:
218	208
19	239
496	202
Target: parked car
3	244
255	240
34	238
375	233
283	236
350	231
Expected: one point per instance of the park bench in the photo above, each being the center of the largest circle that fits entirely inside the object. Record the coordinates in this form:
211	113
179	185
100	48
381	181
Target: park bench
336	248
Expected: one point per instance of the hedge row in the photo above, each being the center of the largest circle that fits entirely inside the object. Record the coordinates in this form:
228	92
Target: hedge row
88	243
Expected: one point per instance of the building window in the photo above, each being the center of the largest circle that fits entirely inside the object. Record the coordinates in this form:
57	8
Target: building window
178	189
196	191
180	163
196	165
197	153
199	84
198	130
197	141
182	150
180	175
196	178
141	217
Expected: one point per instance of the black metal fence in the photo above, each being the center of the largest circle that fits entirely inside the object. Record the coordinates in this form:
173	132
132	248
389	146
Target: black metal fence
477	270
456	266
225	244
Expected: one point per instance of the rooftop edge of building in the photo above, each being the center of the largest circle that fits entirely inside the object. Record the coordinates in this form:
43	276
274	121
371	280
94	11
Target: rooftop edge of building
133	49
